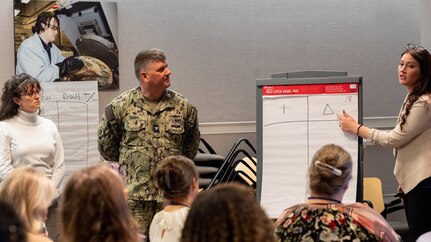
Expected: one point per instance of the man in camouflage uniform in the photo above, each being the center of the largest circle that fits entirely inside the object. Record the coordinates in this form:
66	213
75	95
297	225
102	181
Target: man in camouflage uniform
142	126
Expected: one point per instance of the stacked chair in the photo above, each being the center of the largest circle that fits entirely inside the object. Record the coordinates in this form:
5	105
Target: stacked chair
238	166
208	163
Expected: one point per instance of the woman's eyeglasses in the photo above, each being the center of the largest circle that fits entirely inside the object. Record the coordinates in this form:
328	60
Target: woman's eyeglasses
33	93
414	47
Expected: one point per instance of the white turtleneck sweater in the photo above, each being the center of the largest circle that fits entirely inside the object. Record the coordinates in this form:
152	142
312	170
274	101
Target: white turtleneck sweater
30	140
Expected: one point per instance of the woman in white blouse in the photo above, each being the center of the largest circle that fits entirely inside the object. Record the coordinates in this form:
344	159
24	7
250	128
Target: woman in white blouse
177	177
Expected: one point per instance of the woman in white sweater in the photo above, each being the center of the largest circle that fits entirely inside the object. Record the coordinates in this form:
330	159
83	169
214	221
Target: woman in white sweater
411	138
26	139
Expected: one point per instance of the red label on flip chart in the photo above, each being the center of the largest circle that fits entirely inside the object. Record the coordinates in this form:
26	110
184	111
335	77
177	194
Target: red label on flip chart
310	89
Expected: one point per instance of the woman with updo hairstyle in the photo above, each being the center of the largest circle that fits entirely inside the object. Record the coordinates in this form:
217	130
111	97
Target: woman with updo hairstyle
323	179
324	217
225	213
177	177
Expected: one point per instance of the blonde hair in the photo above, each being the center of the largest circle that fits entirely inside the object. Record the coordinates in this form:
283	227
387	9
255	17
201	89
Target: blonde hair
330	169
94	199
29	191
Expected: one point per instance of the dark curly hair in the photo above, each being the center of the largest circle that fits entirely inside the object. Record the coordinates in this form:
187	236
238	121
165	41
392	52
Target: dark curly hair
13	88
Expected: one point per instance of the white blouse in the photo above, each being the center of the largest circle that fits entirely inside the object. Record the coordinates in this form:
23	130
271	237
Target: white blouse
167	226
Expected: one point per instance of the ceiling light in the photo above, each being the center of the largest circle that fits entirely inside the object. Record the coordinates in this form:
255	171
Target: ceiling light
25	1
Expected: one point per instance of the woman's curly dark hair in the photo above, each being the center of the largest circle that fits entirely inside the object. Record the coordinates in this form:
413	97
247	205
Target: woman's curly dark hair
13	88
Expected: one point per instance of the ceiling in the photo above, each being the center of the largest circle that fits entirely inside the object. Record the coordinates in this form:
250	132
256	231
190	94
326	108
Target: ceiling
29	11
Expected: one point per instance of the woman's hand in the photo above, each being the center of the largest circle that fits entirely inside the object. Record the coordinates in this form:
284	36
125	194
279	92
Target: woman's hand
347	123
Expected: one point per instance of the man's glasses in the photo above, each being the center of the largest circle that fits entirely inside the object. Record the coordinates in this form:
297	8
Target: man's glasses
53	27
414	47
33	93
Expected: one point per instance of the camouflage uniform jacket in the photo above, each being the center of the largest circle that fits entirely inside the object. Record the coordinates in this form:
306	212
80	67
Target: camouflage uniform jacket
138	139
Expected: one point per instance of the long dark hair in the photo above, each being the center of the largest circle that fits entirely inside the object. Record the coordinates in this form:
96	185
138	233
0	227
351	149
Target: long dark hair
13	88
423	85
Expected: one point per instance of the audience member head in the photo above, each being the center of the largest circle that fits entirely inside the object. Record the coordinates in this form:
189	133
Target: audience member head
94	207
227	212
31	193
146	57
19	92
11	227
177	177
330	170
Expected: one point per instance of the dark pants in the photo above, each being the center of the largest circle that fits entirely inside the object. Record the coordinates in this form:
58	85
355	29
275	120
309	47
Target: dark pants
53	221
417	204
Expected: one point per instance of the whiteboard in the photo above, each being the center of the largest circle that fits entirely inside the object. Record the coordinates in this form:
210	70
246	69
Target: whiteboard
74	108
295	121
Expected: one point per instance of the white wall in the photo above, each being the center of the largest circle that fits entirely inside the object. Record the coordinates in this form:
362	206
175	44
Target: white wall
426	23
7	59
217	49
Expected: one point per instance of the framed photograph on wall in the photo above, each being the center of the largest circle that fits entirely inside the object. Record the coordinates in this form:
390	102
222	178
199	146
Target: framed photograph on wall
78	44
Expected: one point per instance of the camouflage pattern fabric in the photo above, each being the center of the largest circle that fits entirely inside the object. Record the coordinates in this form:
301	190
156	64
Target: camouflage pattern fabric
144	212
138	138
93	69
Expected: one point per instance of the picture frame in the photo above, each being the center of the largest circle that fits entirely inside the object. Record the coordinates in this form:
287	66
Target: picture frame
87	35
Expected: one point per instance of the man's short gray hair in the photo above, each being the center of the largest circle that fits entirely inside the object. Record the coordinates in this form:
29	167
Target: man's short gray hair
145	57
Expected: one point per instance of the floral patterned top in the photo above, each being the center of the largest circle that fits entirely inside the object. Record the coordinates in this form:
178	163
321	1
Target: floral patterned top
333	222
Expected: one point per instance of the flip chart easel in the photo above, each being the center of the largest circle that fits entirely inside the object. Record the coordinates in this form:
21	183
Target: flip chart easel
295	117
74	108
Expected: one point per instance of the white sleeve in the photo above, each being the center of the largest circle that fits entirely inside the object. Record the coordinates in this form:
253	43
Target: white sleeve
58	169
5	155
